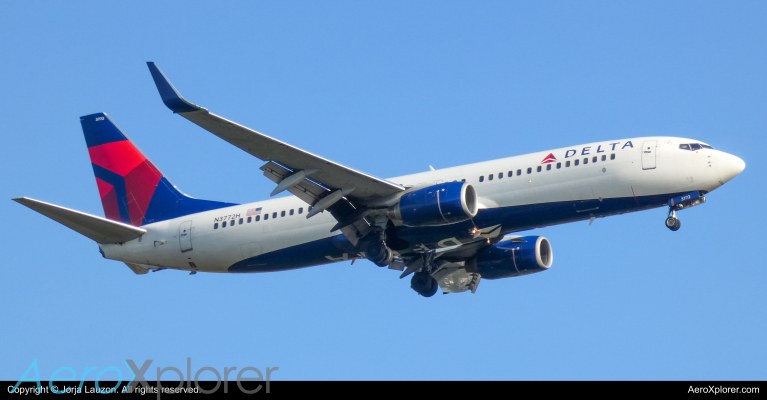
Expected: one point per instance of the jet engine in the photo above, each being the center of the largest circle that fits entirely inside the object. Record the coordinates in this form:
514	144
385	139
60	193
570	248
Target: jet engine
515	257
440	204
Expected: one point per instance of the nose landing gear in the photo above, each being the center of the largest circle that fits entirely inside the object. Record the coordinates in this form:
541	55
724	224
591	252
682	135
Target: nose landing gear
687	200
672	222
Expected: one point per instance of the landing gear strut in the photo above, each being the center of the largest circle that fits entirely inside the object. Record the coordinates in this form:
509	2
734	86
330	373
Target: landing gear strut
672	222
423	283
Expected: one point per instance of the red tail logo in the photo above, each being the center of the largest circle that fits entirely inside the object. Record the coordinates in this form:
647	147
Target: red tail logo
549	159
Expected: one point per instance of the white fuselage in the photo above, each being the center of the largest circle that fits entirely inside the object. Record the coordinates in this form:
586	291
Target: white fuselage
642	168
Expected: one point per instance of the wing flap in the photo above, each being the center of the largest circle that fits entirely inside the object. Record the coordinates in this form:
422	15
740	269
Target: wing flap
101	230
305	190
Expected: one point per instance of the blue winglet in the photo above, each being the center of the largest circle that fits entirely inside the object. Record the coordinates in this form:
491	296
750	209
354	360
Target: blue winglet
169	94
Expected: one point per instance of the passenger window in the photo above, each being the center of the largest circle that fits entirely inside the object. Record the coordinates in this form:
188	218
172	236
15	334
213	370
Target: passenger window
567	164
274	214
511	173
612	156
529	170
684	146
282	214
291	211
695	146
519	172
482	178
576	162
604	157
300	210
258	218
585	161
215	226
266	216
500	175
594	159
539	168
548	167
490	177
559	165
463	180
223	224
249	219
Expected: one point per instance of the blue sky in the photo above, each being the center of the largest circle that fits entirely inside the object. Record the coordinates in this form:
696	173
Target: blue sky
389	88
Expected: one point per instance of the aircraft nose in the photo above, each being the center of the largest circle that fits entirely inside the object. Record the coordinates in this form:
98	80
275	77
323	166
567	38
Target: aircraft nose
730	166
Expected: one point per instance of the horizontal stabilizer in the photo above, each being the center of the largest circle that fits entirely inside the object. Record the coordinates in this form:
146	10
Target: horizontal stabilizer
101	230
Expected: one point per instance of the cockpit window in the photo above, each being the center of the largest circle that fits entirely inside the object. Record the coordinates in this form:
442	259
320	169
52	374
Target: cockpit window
695	146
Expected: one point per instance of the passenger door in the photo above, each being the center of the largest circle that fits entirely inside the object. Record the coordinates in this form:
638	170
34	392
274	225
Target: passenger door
185	236
648	154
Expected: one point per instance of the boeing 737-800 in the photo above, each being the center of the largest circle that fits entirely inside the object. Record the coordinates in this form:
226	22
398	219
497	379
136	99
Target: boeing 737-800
448	227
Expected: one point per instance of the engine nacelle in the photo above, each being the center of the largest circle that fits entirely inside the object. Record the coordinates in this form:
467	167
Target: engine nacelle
440	204
516	257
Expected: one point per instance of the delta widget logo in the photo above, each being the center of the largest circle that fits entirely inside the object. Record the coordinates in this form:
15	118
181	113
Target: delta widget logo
549	159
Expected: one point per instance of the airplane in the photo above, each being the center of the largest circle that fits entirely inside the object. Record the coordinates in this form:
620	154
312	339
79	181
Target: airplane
448	227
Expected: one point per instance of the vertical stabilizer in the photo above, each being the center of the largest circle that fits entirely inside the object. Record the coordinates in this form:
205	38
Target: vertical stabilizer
133	191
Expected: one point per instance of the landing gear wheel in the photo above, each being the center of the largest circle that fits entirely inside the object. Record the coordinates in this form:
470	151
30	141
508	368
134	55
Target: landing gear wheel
424	284
379	254
670	222
673	223
433	290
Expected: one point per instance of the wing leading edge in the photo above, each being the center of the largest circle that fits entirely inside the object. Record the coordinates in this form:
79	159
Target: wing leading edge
354	185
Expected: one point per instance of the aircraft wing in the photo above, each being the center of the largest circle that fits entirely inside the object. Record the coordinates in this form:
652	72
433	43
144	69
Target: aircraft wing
298	164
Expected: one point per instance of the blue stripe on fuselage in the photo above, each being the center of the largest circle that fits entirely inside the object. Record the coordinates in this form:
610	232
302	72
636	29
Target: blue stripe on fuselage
304	255
513	219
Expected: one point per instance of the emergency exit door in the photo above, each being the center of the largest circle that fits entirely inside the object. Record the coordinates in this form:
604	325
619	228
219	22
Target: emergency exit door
648	154
185	236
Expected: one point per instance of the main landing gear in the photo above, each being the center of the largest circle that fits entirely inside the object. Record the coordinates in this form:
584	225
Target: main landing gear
423	283
379	243
379	253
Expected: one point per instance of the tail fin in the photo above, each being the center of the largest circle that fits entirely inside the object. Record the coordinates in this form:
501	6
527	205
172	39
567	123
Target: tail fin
133	191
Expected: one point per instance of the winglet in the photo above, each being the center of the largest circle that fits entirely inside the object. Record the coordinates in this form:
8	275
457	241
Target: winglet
169	94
